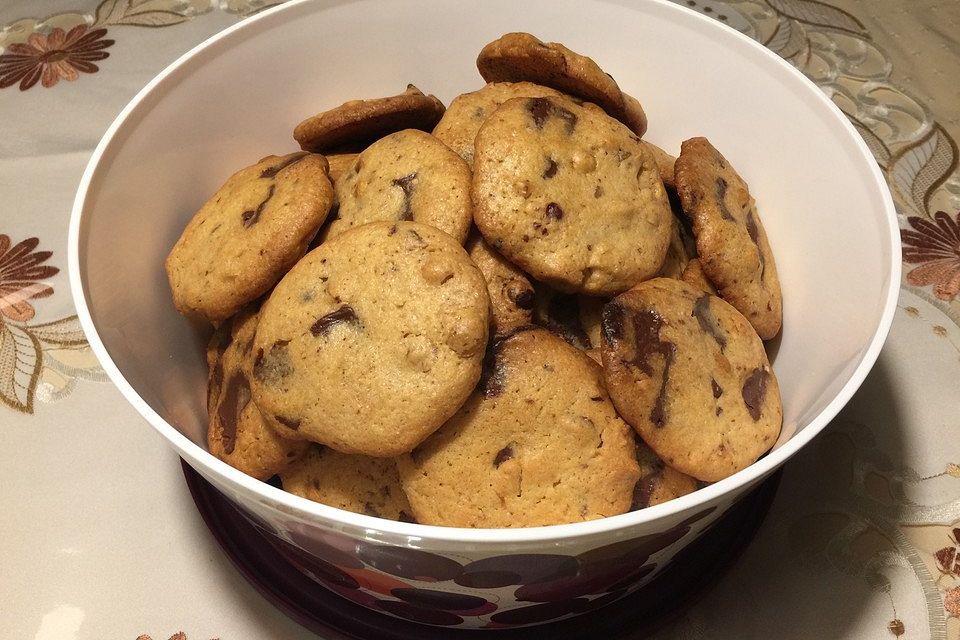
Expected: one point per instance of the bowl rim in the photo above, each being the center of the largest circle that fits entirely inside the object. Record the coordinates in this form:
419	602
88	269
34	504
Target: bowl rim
206	463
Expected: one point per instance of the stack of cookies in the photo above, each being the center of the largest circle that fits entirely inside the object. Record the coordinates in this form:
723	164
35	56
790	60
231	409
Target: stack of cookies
509	312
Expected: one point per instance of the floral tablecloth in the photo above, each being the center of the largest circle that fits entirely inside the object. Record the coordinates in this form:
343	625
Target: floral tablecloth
100	538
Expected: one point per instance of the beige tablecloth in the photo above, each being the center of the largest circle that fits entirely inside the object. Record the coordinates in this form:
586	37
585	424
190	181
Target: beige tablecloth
101	540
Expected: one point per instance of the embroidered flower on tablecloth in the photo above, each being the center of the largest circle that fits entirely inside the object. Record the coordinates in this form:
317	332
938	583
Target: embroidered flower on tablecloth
20	272
935	246
52	57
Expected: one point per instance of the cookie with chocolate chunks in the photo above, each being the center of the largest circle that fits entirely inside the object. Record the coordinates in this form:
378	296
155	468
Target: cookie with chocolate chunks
690	374
518	57
537	443
467	112
357	123
408	175
237	433
731	242
373	339
569	195
244	238
361	484
511	295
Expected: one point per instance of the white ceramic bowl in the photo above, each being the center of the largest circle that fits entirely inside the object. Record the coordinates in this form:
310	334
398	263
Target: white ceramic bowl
237	97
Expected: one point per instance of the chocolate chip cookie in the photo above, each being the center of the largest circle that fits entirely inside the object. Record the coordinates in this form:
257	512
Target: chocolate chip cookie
357	123
511	296
373	339
518	57
254	228
658	483
731	242
688	371
354	483
569	195
408	175
237	433
537	443
467	112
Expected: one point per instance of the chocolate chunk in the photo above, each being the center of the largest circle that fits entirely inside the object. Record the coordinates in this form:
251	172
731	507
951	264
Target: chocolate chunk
551	169
611	324
403	516
754	390
406	184
596	398
271	172
554	211
521	296
344	314
755	236
369	510
717	389
251	218
721	191
233	402
542	108
646	336
598	191
290	423
701	310
645	487
503	455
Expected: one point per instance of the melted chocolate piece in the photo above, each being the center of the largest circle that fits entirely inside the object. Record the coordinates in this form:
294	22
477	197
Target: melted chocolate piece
503	455
542	108
701	310
645	487
271	172
755	236
754	390
646	335
251	218
290	423
721	190
523	298
406	185
403	516
344	314
554	211
611	323
551	169
598	191
717	389
234	400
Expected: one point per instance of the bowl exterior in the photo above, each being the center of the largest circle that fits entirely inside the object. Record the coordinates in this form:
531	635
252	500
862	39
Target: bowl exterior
479	586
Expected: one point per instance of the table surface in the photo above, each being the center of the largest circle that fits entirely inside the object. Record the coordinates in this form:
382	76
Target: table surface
860	541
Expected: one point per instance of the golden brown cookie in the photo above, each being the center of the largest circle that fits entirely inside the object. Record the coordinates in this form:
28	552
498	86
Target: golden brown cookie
731	242
569	195
408	175
467	112
253	229
237	433
340	163
537	443
518	57
358	123
355	483
511	296
373	339
665	163
689	373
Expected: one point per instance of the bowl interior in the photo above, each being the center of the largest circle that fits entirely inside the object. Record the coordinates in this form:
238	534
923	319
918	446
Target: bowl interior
238	98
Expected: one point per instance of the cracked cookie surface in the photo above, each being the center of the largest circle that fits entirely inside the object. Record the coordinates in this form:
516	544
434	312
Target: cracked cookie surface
373	339
537	443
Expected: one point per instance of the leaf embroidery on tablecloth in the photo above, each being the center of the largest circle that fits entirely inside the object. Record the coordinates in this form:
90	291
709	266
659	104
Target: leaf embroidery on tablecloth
47	355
